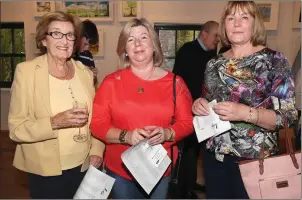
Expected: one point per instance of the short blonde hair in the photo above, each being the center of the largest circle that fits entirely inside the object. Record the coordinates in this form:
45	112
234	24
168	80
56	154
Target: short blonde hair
158	56
45	21
259	33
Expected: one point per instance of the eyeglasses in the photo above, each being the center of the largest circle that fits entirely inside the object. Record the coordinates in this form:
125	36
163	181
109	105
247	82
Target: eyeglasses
59	35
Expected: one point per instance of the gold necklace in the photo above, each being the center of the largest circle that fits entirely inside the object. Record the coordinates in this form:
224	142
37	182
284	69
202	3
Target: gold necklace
140	89
63	77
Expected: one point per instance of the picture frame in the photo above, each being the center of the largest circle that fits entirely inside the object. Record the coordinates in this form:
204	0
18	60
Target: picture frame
99	52
43	7
296	22
128	10
269	11
92	10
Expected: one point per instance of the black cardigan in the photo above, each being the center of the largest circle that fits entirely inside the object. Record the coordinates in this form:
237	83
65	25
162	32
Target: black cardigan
190	64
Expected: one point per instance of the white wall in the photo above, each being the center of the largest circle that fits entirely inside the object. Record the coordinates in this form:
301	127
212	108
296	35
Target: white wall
288	39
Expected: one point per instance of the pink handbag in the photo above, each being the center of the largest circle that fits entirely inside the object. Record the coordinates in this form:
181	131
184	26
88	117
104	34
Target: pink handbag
276	177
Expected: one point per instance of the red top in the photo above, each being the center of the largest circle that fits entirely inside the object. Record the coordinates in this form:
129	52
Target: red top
118	104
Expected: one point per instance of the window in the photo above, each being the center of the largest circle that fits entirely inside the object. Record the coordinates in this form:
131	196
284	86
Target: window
12	51
172	37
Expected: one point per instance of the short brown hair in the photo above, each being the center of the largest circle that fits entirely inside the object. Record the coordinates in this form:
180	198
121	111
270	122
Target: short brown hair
158	56
258	35
42	27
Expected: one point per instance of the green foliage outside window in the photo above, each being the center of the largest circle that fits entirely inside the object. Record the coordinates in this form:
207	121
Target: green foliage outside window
6	41
12	50
183	37
173	37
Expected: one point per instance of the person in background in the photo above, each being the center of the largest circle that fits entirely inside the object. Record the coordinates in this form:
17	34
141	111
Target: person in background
296	70
224	49
89	37
254	87
190	64
50	113
136	103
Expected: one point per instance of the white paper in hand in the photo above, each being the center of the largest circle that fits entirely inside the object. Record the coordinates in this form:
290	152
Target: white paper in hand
146	163
157	153
95	185
210	125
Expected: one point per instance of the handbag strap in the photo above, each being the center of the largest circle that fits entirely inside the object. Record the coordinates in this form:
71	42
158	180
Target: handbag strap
289	146
174	99
173	117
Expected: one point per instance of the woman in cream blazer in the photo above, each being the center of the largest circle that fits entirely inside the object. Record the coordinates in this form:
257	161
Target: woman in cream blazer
42	117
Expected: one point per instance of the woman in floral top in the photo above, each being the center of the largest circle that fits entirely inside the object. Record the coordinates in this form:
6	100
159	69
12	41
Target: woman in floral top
253	86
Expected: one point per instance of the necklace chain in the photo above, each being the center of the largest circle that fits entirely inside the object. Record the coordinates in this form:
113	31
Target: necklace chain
63	77
140	89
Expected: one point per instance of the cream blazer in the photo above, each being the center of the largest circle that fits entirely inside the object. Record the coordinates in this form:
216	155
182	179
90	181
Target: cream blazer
37	149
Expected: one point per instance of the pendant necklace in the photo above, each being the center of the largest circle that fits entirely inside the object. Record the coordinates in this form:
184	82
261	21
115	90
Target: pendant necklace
140	89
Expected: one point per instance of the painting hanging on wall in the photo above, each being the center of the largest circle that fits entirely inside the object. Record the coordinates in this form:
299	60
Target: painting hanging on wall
93	10
97	50
43	7
297	15
269	12
128	10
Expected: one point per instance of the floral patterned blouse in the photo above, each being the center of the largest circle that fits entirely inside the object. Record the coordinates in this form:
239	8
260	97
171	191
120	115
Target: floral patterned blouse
261	80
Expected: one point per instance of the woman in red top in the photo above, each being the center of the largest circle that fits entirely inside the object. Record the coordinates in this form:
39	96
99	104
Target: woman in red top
136	103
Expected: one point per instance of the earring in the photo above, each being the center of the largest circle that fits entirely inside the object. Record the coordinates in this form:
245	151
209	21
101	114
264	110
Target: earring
126	54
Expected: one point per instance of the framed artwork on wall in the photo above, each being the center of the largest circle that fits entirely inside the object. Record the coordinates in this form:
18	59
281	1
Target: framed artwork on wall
43	7
128	10
92	10
98	50
297	14
269	11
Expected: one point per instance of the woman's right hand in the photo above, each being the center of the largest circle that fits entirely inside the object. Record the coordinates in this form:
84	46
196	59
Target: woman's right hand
135	136
201	107
75	117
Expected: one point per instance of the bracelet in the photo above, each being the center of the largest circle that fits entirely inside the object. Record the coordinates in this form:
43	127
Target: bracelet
250	115
171	135
257	119
122	136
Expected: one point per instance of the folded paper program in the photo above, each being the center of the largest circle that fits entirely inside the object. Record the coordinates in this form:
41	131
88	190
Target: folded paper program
210	125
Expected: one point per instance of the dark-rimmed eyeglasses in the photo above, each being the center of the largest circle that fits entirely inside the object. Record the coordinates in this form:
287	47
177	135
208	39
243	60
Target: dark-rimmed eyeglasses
59	35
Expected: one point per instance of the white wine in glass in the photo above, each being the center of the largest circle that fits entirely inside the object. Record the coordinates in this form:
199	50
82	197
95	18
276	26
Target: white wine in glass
80	137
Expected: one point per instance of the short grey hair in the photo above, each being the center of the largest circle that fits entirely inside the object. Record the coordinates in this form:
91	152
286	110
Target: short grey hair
208	26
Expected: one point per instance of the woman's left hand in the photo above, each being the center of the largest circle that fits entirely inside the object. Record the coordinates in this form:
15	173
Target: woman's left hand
96	161
229	111
158	135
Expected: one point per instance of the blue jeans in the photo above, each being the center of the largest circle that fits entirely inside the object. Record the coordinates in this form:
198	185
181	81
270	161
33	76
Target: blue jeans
127	189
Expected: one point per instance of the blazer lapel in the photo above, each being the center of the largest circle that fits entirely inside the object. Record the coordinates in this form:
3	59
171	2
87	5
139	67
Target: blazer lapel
42	81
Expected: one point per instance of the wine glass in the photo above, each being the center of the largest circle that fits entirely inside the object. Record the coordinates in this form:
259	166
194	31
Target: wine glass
80	137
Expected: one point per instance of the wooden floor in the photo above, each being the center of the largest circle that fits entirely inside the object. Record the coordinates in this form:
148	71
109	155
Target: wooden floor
13	183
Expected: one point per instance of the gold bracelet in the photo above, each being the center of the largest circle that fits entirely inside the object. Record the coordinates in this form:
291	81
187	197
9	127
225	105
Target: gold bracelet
257	119
250	115
171	134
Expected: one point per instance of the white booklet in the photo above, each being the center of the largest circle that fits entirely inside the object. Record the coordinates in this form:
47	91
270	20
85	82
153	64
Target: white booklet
210	125
146	163
95	185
